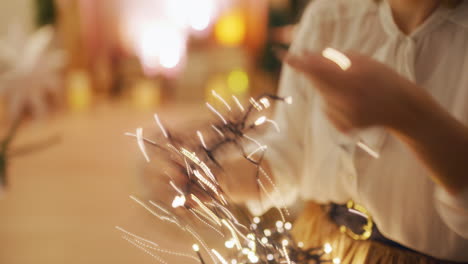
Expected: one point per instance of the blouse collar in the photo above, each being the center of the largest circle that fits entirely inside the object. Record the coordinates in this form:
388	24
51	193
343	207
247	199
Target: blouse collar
435	19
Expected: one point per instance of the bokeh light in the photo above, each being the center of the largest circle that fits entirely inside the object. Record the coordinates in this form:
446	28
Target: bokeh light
204	12
231	28
238	82
157	31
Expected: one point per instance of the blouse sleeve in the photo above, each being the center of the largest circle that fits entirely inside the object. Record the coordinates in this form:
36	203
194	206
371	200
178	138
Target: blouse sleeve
454	209
285	149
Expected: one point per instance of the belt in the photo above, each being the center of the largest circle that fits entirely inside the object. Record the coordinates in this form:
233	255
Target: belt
356	222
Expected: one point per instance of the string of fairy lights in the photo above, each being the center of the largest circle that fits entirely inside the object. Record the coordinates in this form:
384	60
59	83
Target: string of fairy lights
243	238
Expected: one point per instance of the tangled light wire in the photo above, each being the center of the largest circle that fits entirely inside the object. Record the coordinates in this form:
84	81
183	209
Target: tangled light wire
246	239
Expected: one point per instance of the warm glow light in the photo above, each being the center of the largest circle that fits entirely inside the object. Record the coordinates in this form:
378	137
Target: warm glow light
160	45
178	201
148	53
171	58
253	258
231	28
229	244
260	121
279	224
157	31
336	261
238	82
201	14
251	245
327	248
195	247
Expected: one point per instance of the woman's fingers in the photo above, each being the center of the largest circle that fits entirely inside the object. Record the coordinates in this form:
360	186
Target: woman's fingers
323	72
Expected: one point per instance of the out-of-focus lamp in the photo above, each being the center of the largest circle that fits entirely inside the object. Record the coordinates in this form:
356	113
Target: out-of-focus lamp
230	30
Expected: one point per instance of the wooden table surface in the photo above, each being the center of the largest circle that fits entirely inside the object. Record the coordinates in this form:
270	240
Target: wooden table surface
63	202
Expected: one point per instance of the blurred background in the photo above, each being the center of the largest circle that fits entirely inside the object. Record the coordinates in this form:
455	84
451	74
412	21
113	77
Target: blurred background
76	74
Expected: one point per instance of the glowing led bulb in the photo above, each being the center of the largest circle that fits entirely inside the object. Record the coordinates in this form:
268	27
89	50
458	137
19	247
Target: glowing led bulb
267	232
288	226
270	257
265	102
285	242
300	244
336	261
256	220
288	100
229	244
253	258
261	120
178	201
195	247
327	248
252	244
264	240
279	224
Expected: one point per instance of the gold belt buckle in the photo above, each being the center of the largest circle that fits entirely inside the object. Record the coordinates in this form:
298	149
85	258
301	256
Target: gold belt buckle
361	210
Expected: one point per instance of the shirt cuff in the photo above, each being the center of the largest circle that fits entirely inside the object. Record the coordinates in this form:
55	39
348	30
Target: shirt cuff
453	210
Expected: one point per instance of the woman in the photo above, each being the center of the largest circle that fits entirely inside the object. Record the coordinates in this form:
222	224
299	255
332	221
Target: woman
388	136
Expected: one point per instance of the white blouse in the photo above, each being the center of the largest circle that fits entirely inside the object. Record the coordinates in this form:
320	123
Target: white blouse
313	161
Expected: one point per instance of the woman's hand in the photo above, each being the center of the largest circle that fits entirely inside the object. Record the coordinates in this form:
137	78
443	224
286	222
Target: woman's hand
359	92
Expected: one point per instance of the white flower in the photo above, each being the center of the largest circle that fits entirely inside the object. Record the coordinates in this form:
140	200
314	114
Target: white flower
30	71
